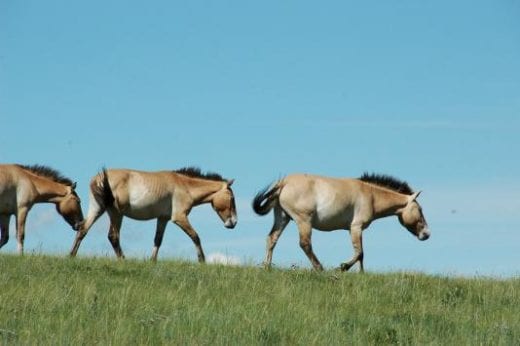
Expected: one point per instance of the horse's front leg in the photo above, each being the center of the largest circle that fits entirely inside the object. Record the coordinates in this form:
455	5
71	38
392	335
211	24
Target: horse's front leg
94	212
159	233
357	243
182	221
21	216
4	227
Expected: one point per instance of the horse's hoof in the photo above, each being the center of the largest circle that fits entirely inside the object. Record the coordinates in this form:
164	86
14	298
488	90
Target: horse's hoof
344	267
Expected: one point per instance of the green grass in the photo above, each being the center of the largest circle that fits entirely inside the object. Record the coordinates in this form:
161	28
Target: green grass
60	301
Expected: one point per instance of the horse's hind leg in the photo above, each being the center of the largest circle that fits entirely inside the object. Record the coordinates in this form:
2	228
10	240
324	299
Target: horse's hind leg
159	233
4	227
305	230
113	234
281	219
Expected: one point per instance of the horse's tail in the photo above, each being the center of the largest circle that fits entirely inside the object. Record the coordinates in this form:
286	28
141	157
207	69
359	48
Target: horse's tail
266	199
101	190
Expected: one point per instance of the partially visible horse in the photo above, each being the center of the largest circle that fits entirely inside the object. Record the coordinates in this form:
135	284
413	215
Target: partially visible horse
23	186
329	204
164	195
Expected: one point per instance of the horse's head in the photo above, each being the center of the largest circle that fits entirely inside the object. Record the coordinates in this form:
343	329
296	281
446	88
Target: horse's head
411	217
223	202
70	208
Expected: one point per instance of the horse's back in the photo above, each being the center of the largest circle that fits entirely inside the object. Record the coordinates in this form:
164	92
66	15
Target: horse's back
153	182
322	186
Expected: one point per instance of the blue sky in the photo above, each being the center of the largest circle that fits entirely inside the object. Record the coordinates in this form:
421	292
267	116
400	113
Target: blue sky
428	92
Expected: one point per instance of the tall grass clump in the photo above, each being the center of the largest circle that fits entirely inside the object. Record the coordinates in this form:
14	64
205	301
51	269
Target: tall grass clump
58	301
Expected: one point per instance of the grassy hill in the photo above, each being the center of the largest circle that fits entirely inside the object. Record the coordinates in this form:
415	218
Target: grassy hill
49	300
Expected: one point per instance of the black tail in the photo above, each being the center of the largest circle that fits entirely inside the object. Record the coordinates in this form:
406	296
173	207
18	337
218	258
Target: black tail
102	191
265	199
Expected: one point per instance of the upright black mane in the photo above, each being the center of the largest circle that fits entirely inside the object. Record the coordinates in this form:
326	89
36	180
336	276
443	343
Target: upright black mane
387	181
47	172
195	172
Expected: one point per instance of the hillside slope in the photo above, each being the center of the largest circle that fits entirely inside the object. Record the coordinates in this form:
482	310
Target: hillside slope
50	300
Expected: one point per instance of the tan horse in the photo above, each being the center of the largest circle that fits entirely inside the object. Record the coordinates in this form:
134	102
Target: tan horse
23	186
329	204
165	195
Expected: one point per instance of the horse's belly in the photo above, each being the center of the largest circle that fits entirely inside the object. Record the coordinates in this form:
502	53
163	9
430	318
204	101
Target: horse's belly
146	213
147	209
7	209
329	225
7	203
144	204
331	221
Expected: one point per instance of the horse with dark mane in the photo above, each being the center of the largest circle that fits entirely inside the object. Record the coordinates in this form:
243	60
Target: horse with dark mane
329	204
164	195
23	186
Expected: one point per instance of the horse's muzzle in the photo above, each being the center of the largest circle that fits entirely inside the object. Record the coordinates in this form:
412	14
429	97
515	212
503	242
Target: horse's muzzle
424	235
230	223
77	225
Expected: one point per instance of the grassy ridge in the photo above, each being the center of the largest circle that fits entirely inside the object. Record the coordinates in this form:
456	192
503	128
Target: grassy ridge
48	300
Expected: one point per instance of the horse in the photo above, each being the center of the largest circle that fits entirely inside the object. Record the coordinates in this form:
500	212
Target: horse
23	186
163	195
328	204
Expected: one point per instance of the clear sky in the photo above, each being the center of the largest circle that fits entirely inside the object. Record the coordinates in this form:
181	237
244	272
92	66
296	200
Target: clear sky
426	91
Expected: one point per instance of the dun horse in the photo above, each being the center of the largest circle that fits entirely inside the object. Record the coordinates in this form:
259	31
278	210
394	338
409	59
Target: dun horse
329	204
23	186
165	195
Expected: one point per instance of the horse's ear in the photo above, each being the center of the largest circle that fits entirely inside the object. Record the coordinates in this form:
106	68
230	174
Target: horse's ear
230	182
414	196
73	186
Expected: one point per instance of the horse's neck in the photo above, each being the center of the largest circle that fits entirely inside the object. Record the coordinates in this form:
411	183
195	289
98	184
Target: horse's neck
48	190
386	203
201	190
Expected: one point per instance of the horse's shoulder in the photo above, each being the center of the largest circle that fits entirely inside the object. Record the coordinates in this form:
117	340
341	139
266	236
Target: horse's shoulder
12	168
8	175
16	173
